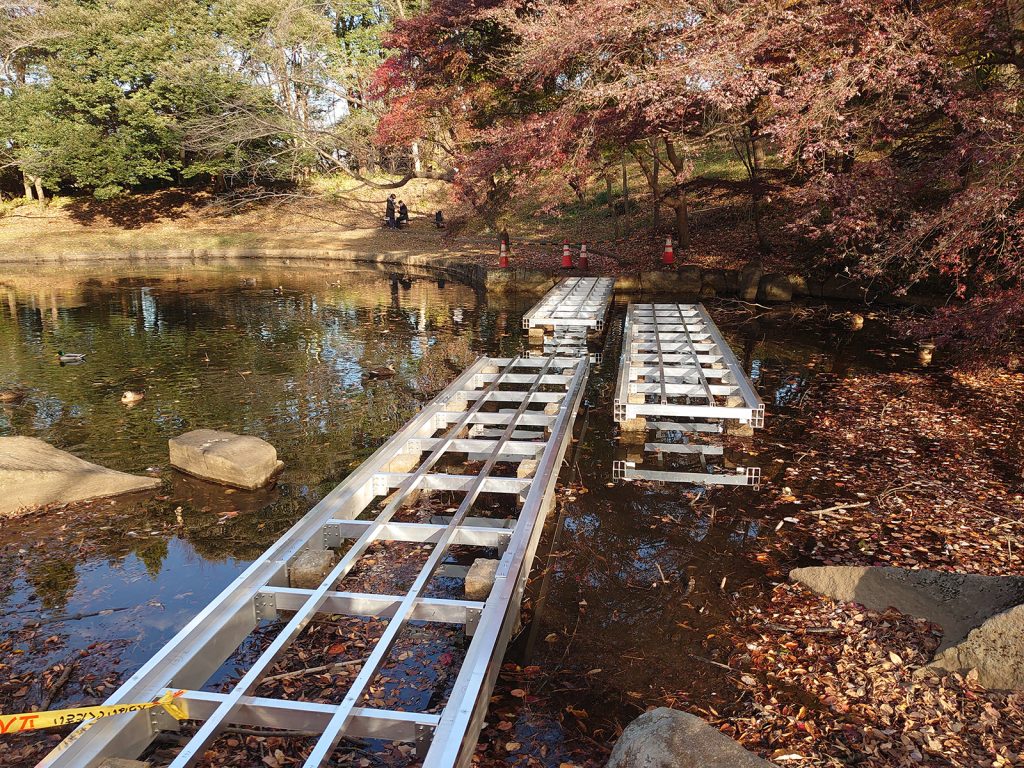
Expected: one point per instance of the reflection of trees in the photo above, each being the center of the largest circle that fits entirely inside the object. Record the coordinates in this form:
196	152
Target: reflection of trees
53	579
152	554
214	352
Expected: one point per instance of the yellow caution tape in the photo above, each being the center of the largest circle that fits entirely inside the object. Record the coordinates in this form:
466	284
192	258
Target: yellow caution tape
31	721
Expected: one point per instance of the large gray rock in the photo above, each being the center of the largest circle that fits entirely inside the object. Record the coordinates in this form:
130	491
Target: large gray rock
843	288
957	602
749	282
799	284
995	649
981	617
242	461
685	281
690	280
775	288
715	278
665	738
35	474
310	567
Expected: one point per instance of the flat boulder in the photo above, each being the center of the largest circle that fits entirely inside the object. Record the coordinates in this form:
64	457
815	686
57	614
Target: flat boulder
35	474
667	738
995	650
957	602
982	617
480	578
242	461
749	282
775	288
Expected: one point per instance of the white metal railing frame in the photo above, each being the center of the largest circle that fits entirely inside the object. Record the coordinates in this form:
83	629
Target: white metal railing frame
672	355
262	589
576	302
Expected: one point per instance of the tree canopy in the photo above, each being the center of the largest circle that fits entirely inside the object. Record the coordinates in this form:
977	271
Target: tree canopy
889	132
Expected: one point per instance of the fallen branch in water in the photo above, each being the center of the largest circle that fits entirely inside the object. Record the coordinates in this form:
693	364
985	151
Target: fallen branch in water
59	683
314	670
32	623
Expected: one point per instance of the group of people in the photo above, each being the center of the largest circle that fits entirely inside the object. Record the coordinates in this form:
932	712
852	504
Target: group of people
394	221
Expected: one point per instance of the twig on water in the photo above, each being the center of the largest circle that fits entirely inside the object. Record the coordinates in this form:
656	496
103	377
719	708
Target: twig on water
59	683
838	508
314	670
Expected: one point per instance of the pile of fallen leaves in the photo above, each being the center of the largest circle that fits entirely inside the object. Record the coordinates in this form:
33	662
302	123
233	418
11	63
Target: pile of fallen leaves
827	684
921	471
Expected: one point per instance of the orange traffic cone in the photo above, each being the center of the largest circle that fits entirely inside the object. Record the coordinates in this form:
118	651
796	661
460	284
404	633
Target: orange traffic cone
584	259
566	256
668	258
503	256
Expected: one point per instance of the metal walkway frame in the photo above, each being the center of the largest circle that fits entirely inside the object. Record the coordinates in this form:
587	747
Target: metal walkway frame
628	470
576	302
498	410
676	364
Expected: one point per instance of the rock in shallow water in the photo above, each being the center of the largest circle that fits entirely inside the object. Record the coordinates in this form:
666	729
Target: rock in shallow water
35	474
242	461
666	738
480	578
310	568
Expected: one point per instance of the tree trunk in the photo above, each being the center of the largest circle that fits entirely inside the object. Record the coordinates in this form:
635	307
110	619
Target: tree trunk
28	186
611	203
655	188
682	208
1015	10
416	164
39	189
625	187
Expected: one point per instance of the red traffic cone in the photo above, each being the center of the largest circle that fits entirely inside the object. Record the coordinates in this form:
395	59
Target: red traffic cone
584	259
503	256
668	258
566	256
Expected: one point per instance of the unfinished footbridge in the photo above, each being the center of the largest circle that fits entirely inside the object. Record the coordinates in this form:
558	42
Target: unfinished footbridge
498	433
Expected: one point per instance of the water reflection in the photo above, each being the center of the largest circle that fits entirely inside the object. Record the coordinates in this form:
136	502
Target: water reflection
283	354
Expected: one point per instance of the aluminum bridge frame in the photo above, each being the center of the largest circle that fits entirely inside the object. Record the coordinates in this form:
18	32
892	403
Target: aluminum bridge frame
579	303
679	378
499	411
675	363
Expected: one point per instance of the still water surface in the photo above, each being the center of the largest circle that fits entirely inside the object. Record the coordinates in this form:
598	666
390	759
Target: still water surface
304	358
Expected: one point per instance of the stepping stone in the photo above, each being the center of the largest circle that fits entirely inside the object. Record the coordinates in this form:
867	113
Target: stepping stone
242	461
667	738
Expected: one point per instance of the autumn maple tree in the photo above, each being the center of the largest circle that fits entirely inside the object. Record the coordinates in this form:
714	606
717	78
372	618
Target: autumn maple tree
894	128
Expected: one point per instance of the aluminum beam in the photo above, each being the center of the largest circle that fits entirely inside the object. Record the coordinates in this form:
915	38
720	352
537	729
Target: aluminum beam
576	302
409	461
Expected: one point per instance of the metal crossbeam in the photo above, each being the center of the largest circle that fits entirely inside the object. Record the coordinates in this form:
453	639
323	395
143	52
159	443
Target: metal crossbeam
676	364
495	412
627	470
576	302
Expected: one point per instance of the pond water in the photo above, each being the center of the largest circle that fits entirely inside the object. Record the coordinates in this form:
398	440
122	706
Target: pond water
290	354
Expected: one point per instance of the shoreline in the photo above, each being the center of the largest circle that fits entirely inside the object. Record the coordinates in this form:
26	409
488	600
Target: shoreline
686	280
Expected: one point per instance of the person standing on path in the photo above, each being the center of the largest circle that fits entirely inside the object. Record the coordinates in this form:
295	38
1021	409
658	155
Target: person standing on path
389	211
